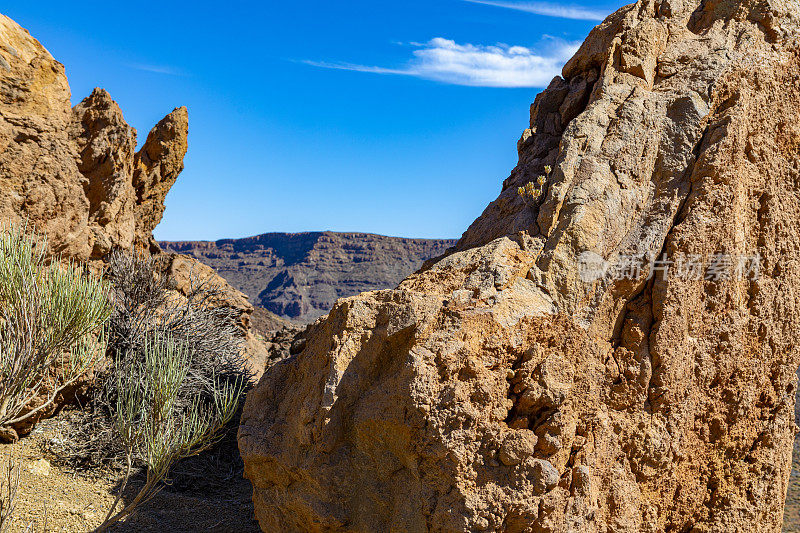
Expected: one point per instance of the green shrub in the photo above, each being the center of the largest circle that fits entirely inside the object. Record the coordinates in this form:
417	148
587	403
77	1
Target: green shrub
195	345
52	316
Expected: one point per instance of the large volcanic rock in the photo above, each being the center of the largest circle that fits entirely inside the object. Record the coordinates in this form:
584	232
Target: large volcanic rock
500	390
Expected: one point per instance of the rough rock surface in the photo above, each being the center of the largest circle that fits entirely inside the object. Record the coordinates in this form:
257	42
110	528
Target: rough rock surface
299	276
75	172
657	403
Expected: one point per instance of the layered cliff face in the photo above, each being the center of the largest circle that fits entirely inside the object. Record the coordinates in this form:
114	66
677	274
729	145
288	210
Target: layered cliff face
618	353
299	276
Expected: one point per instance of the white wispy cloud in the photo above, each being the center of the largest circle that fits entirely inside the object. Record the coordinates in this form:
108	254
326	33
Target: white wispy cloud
548	9
156	69
499	65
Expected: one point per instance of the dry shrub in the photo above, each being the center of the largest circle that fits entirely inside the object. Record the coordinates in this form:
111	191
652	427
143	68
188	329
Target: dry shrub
146	309
155	425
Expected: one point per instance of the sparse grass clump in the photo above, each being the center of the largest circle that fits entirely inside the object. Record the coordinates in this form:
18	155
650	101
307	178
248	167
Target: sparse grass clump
144	303
52	315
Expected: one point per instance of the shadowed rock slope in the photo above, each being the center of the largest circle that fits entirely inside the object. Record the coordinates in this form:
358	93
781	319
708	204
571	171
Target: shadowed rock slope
791	514
498	390
299	276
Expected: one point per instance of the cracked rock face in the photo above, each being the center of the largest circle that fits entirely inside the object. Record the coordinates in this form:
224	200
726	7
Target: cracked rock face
498	389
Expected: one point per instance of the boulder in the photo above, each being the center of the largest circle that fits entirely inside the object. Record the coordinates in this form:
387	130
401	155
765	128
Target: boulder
660	399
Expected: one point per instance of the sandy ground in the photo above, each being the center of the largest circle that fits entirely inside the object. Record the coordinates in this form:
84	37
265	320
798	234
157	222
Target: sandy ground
791	515
56	501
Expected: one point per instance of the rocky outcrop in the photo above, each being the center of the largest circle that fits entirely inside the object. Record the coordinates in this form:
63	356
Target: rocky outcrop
299	276
38	174
566	369
75	173
156	167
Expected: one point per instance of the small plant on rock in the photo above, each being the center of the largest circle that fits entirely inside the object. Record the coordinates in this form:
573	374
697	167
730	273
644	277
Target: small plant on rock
532	191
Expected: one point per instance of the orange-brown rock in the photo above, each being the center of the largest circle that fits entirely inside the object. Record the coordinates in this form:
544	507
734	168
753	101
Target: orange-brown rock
39	176
156	167
75	173
508	387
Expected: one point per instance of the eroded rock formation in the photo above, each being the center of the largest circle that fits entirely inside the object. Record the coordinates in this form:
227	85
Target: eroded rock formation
75	173
498	389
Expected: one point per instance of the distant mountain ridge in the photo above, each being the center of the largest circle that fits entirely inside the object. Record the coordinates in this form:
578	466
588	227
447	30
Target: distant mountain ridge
298	276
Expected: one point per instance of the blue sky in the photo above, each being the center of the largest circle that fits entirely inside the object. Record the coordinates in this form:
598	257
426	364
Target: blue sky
399	118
